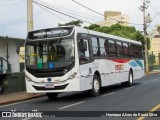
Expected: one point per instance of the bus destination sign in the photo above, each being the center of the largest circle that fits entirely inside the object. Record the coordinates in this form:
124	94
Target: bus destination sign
49	33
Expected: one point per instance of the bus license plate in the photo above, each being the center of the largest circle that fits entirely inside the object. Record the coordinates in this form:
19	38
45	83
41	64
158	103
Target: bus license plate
49	85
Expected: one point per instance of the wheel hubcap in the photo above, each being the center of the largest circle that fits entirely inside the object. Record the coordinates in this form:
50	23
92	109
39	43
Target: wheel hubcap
96	85
131	79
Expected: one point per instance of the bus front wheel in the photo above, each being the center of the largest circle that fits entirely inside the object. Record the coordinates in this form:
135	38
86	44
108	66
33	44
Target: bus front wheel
52	95
1	88
95	91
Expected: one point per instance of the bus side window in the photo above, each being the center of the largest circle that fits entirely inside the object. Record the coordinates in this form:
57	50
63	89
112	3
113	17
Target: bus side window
125	50
131	50
106	47
95	48
112	48
83	51
138	52
119	49
102	47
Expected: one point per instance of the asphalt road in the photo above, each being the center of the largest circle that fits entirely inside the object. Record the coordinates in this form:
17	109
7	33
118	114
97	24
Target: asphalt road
144	95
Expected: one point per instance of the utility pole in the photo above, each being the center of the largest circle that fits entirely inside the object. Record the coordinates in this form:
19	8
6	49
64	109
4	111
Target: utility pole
29	15
143	9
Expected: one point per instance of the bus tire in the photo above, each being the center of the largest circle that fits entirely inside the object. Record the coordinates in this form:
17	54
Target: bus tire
1	88
52	95
130	80
95	91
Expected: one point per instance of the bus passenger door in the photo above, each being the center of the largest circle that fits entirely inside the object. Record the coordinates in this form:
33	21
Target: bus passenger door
84	61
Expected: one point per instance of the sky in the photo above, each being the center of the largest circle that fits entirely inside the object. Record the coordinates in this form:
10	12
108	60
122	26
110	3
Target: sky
13	19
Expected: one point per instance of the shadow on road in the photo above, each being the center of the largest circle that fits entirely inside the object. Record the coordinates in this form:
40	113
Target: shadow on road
78	96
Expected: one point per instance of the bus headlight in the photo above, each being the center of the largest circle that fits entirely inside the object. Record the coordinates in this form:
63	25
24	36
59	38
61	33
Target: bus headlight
72	75
28	78
65	71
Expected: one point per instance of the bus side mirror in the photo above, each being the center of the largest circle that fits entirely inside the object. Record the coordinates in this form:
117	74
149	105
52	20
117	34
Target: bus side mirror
84	46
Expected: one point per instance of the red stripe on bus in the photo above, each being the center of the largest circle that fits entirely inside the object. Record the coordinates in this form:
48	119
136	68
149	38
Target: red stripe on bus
120	60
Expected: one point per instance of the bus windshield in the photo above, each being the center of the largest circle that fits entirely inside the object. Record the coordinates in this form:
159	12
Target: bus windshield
50	54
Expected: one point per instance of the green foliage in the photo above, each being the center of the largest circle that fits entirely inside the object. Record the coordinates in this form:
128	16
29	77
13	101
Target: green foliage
76	23
93	26
123	31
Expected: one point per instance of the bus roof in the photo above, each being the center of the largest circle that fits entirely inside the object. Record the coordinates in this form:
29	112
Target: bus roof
83	30
80	29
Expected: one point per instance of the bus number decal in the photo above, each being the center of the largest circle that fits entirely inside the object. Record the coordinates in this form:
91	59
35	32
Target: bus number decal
119	67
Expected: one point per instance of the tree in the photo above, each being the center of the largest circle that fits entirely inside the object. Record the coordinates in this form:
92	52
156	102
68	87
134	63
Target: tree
123	31
76	23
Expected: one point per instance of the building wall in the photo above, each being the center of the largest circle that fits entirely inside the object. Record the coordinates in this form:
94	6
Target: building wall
22	52
155	49
2	48
111	15
154	32
13	56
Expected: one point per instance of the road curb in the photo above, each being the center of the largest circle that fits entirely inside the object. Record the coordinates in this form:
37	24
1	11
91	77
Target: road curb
20	100
146	75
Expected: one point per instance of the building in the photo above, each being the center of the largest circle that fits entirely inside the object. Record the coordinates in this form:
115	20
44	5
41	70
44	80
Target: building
9	48
21	53
155	49
154	33
114	17
155	46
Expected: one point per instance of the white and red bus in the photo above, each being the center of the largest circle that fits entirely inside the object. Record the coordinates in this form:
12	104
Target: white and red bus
66	59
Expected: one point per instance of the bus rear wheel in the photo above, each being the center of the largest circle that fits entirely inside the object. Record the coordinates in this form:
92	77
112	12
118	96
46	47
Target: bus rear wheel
95	86
52	95
130	80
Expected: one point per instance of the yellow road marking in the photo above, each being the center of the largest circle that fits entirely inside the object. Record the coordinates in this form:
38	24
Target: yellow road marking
152	110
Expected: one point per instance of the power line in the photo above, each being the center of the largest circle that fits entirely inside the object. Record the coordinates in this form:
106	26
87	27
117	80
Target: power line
61	12
68	10
153	18
100	13
88	8
154	8
52	13
41	3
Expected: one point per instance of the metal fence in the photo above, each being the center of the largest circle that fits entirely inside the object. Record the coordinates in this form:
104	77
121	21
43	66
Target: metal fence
4	66
15	82
154	61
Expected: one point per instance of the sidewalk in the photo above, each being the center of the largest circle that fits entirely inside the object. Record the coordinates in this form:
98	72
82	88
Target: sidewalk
153	72
7	98
22	96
